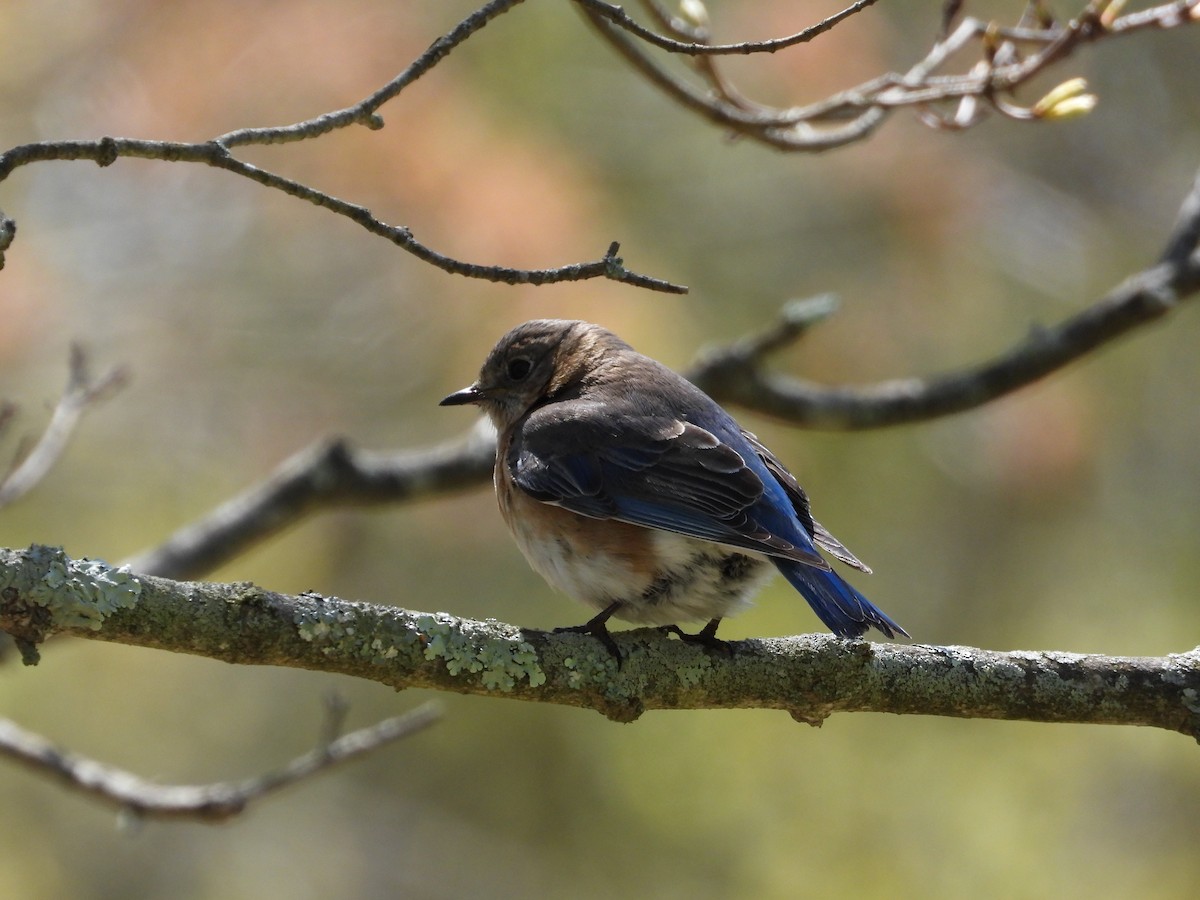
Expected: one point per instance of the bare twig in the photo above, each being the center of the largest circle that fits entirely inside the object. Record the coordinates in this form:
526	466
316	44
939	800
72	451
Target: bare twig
696	33
107	150
619	17
809	676
733	378
82	391
329	473
1012	57
365	112
217	153
207	802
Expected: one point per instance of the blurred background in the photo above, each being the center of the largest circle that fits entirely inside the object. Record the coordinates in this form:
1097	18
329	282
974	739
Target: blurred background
1064	517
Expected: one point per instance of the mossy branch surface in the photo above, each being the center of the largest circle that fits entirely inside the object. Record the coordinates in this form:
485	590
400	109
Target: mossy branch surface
44	592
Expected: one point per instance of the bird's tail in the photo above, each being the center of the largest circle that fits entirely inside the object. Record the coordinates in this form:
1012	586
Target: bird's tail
845	611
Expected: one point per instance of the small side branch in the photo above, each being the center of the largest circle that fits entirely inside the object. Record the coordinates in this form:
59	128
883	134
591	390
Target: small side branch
82	392
216	802
328	473
365	112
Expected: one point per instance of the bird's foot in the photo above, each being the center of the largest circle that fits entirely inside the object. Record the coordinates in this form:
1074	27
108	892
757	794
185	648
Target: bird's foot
705	637
597	627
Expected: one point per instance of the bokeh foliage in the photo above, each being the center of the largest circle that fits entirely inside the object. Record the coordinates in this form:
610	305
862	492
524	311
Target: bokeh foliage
1064	517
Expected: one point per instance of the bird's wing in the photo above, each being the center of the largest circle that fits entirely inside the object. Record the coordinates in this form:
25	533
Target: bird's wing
655	471
820	535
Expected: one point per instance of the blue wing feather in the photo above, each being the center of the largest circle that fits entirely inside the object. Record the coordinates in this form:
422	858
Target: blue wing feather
845	611
659	472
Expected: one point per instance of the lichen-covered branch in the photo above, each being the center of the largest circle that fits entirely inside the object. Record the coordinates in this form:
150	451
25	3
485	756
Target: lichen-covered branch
43	592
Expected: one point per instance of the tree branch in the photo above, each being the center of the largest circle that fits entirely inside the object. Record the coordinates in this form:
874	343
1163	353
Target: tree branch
843	118
215	802
734	374
810	676
328	473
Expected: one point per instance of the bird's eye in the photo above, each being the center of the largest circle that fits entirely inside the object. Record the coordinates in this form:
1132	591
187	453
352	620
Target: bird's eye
519	368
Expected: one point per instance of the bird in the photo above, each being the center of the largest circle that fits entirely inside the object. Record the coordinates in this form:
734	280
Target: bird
630	489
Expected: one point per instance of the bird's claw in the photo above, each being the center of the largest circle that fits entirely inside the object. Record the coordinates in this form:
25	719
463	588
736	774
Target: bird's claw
705	637
600	632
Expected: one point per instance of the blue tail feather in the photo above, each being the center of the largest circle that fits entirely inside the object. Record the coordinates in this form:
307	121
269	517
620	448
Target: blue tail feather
845	611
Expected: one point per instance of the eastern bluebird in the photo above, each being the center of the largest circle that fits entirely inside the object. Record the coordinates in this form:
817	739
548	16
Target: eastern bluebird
629	488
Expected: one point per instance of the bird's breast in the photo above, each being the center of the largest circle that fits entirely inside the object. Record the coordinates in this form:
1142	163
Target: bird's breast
658	577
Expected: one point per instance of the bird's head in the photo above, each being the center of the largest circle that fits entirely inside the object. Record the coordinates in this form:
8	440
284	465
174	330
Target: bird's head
536	361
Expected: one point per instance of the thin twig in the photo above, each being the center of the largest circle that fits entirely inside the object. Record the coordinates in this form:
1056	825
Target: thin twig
620	18
853	114
1140	300
365	111
215	802
217	153
697	34
82	392
107	150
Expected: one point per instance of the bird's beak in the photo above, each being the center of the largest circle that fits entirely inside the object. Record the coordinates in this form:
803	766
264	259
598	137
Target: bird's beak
467	395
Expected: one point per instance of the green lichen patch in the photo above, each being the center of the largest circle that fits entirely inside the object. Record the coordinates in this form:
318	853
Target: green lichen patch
80	593
499	661
344	630
588	670
328	625
692	674
466	648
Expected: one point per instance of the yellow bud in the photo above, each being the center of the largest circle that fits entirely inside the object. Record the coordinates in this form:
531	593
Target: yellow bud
1072	108
1065	101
